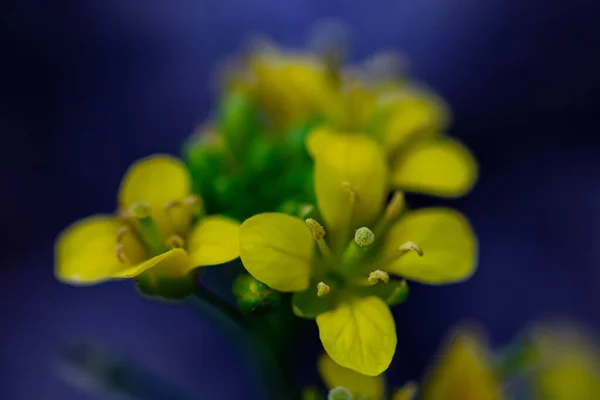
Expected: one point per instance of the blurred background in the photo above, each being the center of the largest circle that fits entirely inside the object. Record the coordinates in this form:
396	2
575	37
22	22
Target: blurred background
90	86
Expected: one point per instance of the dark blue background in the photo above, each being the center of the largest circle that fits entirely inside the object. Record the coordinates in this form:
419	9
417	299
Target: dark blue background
89	86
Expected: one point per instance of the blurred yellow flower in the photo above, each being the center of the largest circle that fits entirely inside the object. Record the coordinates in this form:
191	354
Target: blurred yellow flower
153	237
344	280
463	371
408	121
568	364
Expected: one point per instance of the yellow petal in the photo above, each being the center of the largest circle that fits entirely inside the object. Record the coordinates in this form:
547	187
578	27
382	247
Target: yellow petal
462	372
334	375
277	249
155	180
441	167
174	262
345	163
413	113
359	335
85	251
448	243
214	240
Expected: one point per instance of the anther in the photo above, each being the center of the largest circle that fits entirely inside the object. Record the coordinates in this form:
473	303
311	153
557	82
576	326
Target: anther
172	204
408	246
120	252
364	236
353	193
123	229
175	241
395	206
317	229
194	204
323	289
379	275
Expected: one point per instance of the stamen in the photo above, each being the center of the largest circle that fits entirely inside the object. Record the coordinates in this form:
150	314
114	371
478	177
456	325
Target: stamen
379	275
175	241
364	236
317	229
194	205
318	233
120	252
399	294
408	246
392	211
148	230
353	192
123	229
395	206
323	289
169	205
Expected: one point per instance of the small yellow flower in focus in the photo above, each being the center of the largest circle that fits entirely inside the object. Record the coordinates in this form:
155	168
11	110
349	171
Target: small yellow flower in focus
158	235
342	270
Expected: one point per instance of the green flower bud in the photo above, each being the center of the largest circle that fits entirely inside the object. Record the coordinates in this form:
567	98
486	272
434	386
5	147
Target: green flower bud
252	294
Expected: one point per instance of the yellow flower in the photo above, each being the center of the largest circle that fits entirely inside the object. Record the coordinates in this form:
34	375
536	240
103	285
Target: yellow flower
343	281
154	237
462	371
568	366
289	86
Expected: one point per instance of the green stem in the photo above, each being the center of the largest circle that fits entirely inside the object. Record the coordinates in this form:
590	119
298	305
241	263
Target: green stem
245	332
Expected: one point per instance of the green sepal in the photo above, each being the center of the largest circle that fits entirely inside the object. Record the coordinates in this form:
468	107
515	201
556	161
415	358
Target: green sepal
251	294
238	121
307	304
394	292
165	287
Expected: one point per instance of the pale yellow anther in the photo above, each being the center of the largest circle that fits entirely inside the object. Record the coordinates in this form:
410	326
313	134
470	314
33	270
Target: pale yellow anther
194	204
364	236
175	241
323	289
352	191
140	210
120	252
395	206
123	229
408	246
379	275
172	204
317	229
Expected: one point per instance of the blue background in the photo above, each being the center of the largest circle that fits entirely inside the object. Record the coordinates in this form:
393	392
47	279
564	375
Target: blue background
89	86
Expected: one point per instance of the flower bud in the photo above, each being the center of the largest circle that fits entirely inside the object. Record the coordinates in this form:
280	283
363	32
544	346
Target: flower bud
251	293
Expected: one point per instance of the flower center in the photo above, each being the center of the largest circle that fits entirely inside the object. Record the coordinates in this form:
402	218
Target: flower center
146	233
335	269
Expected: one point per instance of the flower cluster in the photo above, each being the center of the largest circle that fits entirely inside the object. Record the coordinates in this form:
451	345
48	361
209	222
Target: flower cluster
301	172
